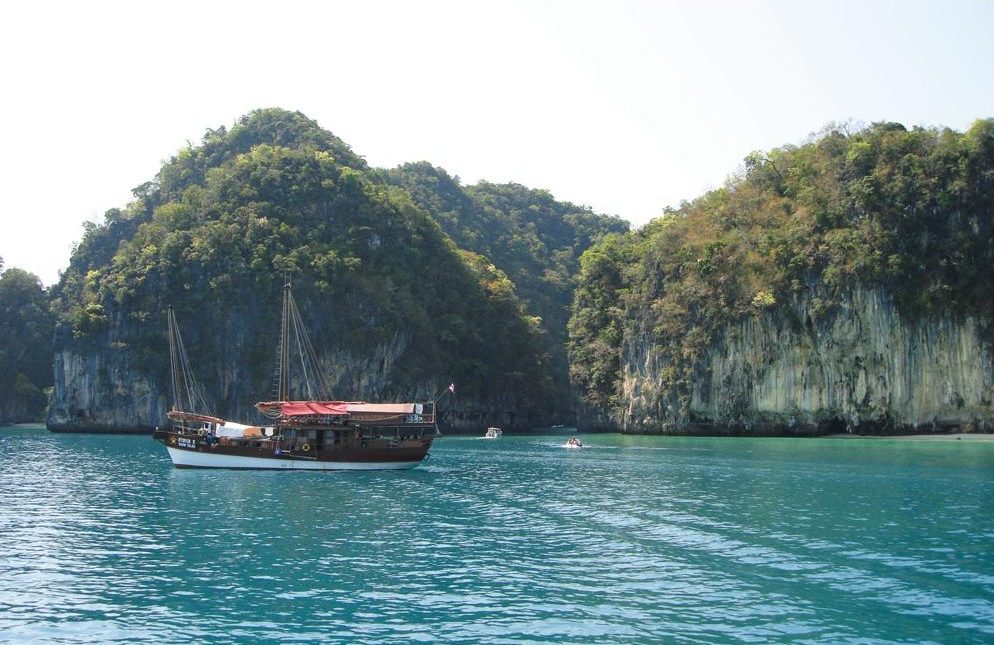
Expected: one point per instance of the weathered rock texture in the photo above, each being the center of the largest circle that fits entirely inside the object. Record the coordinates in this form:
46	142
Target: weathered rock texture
98	388
101	393
860	366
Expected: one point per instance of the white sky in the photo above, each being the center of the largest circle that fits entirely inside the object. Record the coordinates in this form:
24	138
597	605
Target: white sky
627	107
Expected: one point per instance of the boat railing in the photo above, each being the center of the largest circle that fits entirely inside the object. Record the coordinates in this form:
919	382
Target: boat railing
362	418
399	419
183	427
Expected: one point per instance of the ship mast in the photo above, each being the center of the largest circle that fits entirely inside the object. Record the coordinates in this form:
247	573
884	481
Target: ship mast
174	360
284	387
311	380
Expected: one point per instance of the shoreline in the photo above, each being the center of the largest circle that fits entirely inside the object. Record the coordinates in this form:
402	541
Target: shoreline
953	436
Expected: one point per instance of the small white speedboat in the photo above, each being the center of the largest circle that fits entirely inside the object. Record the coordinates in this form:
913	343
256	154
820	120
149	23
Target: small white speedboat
493	433
573	443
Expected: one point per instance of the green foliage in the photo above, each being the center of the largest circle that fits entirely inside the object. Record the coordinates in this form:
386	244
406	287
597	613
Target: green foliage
272	127
911	210
534	240
595	330
26	327
763	300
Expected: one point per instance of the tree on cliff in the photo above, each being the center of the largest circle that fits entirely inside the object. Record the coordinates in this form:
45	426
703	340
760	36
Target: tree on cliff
26	327
911	211
595	329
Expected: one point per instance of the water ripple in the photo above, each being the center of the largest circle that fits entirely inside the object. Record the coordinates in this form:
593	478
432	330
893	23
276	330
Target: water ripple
631	540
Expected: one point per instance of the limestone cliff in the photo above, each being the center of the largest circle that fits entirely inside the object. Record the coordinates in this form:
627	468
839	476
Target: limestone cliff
797	369
843	284
104	391
100	393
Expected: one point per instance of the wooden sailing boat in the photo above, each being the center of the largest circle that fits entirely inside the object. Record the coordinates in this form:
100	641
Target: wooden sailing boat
310	434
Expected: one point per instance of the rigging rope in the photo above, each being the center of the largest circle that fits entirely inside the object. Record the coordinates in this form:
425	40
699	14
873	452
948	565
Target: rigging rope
184	381
314	382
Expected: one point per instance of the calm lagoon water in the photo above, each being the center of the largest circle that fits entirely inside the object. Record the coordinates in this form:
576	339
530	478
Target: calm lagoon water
518	540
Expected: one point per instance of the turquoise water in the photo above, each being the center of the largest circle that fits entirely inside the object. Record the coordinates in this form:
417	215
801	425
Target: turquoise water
629	540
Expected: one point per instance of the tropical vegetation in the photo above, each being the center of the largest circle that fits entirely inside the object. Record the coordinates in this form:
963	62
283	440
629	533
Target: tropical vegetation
535	240
26	327
911	211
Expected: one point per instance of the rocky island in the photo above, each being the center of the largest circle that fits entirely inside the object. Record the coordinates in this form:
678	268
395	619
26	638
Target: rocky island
841	286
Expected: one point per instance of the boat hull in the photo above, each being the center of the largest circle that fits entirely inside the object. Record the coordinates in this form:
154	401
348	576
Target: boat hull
194	459
187	450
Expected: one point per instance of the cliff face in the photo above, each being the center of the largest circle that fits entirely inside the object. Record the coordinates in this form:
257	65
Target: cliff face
858	367
100	390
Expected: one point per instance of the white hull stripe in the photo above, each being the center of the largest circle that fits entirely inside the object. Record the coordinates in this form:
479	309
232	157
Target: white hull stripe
193	459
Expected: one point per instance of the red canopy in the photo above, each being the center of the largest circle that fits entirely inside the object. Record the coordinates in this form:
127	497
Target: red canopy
307	408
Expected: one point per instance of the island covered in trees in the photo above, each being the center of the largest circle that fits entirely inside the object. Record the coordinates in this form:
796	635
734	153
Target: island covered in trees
843	284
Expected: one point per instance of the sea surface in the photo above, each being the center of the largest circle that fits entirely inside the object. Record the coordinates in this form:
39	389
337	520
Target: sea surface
514	540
